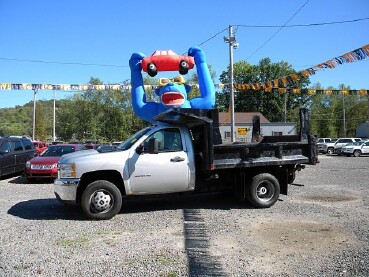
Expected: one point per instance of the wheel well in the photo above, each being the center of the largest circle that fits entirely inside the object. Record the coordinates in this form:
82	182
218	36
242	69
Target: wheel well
112	176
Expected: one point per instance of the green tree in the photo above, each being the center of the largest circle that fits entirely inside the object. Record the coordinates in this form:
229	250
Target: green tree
40	122
272	105
194	81
100	115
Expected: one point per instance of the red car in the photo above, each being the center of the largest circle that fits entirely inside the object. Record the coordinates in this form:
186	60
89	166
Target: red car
44	165
40	146
166	60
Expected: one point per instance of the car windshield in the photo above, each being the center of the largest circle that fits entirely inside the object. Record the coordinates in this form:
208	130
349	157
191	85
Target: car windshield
129	142
333	140
57	151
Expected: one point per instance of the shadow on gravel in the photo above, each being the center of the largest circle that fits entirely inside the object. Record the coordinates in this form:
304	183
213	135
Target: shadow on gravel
219	201
197	244
45	209
51	209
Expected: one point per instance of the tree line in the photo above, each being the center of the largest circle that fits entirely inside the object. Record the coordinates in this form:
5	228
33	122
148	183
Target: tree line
107	115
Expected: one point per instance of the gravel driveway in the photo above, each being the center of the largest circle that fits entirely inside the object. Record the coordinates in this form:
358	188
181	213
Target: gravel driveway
320	229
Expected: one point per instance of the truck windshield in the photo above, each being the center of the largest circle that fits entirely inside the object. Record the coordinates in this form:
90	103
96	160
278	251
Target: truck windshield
130	141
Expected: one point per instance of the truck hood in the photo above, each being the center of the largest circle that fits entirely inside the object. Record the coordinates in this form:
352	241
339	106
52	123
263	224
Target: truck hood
88	160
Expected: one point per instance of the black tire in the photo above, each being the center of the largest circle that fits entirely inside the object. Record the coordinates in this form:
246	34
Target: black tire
183	67
263	191
330	151
357	153
152	70
101	200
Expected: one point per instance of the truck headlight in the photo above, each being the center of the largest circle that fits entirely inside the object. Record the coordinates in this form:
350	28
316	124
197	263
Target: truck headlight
67	170
28	164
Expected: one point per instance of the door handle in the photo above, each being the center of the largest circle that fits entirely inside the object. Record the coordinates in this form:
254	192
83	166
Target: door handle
177	159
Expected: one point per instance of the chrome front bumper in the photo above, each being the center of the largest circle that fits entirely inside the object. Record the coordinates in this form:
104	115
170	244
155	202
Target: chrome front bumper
66	190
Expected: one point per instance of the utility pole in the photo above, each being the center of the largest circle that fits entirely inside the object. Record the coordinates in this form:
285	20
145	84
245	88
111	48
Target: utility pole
344	113
34	114
231	40
54	136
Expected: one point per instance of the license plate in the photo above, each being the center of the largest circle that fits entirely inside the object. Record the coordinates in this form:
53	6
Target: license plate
41	166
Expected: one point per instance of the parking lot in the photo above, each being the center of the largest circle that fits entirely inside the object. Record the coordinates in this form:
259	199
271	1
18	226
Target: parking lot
320	229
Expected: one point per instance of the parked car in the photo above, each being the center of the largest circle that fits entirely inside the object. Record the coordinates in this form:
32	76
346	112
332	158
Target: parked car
335	147
107	148
44	165
342	142
14	153
91	145
39	146
322	141
356	149
328	147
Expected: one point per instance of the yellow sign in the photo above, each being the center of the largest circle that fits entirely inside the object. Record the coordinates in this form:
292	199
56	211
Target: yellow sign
242	131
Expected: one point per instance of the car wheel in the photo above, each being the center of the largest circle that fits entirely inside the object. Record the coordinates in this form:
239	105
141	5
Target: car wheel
357	153
101	200
183	67
152	70
330	151
263	190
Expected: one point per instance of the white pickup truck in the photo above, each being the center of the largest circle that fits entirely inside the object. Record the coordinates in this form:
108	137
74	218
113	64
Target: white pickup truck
184	153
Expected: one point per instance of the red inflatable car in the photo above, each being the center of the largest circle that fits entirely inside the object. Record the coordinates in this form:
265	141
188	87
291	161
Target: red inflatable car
167	60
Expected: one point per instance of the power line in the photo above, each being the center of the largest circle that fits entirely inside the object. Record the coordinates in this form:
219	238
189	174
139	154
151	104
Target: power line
279	29
205	41
303	25
64	63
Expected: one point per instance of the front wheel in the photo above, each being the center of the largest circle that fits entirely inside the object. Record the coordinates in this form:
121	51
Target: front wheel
152	70
101	200
357	153
263	190
330	151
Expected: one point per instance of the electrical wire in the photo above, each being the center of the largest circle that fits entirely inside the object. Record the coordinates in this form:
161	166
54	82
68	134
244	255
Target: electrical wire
64	63
205	41
279	29
303	25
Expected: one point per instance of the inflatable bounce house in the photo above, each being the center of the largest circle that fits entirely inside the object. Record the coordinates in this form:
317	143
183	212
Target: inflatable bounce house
173	93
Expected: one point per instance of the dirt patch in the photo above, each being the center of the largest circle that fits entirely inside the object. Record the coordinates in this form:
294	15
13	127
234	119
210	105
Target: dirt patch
330	198
292	236
280	245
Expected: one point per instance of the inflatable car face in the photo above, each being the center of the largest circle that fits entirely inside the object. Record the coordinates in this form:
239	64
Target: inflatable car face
166	60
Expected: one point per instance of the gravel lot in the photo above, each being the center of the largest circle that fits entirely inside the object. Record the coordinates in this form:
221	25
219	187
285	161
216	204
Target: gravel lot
320	229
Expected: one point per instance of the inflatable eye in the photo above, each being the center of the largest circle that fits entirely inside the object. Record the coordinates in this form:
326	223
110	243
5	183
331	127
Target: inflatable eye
183	67
152	70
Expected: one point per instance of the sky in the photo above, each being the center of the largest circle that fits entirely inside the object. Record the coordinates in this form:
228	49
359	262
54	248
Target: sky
68	42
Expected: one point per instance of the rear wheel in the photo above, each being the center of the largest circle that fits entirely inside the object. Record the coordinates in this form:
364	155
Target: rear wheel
263	191
101	200
357	153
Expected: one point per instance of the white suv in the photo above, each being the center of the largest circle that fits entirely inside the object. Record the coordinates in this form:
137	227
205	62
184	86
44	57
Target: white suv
342	142
356	149
335	147
322	141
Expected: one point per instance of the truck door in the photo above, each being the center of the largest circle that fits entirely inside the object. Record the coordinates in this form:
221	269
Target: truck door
167	171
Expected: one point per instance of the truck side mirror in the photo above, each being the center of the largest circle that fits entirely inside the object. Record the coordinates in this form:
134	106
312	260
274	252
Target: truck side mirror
140	149
153	146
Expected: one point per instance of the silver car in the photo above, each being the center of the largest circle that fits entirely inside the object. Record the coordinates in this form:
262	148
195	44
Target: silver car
356	149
